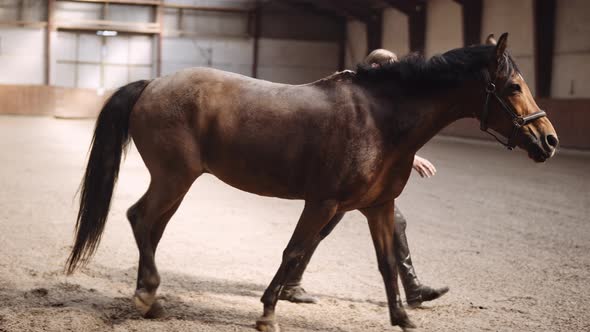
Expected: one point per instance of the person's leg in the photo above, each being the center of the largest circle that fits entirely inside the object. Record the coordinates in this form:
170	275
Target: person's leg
416	293
293	291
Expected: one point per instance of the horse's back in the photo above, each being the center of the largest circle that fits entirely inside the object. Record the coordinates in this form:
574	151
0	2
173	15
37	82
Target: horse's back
267	138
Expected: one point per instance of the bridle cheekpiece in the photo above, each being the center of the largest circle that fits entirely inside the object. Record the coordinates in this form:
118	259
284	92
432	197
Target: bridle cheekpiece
518	121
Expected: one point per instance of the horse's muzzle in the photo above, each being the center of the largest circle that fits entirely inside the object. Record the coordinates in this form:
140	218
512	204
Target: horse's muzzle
550	143
540	148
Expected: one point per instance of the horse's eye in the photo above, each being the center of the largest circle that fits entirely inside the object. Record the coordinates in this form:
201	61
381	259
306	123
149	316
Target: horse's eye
514	88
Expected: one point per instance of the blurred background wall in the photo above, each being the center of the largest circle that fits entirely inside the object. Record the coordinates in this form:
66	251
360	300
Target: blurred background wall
63	58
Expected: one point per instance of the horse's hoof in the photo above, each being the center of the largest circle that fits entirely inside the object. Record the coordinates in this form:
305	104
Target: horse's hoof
156	311
267	325
143	301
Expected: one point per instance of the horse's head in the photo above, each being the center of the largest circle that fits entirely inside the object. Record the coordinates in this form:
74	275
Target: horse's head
511	110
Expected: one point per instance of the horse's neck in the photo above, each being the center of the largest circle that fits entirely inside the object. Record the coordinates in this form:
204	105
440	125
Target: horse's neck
430	116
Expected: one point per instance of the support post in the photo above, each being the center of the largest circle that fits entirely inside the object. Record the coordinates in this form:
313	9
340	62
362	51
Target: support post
544	25
159	36
472	15
256	20
417	28
48	30
342	43
374	31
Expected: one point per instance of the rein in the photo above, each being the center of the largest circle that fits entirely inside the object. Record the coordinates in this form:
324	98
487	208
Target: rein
518	121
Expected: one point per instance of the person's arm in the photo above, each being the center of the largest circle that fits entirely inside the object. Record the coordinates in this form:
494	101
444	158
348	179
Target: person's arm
424	167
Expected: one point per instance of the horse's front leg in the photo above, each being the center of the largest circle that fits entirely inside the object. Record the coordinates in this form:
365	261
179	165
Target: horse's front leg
314	218
293	291
381	223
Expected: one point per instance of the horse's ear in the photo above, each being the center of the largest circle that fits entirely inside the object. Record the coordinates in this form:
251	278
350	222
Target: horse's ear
491	40
501	45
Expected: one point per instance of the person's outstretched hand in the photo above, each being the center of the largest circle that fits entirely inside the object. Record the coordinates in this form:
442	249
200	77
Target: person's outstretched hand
424	167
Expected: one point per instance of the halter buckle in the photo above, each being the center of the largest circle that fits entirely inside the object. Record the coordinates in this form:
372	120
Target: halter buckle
519	122
491	88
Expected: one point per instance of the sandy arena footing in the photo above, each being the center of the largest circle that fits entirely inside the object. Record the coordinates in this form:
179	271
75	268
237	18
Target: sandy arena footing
509	237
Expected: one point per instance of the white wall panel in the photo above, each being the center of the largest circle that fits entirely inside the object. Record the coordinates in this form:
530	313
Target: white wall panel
526	64
181	50
216	3
396	35
297	53
208	23
292	75
115	76
140	49
290	61
232	54
64	75
296	62
232	51
139	73
356	45
22	55
63	55
89	76
128	13
76	11
9	10
170	19
516	18
20	70
572	30
571	63
117	50
172	67
121	56
443	26
571	76
89	47
245	70
34	10
21	41
67	49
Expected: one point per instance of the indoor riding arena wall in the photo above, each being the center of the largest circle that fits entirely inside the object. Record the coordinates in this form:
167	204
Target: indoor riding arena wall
569	102
509	237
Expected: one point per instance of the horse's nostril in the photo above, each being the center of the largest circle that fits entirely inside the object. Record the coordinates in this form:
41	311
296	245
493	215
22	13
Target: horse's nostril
551	140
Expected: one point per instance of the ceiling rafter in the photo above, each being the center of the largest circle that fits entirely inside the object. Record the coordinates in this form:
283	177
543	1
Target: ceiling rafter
407	6
307	6
342	8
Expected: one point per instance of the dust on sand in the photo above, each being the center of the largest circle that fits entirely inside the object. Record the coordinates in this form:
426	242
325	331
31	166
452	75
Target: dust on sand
509	237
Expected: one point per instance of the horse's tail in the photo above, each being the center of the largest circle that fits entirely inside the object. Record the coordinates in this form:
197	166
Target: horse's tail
111	137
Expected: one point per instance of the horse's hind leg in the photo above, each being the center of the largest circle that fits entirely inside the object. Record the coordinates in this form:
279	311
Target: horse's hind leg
148	218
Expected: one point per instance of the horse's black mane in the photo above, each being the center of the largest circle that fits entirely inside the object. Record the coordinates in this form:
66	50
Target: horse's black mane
415	75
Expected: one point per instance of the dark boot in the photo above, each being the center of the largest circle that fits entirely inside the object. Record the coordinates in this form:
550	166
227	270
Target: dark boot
296	294
416	293
293	292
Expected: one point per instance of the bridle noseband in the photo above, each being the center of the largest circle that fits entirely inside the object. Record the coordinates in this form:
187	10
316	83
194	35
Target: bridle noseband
518	121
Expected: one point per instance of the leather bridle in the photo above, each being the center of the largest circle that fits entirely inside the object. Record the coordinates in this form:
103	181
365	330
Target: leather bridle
518	121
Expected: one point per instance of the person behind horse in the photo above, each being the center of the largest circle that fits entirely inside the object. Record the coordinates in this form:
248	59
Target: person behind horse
416	292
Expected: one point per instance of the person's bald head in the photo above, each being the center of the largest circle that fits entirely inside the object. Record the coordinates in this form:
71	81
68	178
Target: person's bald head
380	57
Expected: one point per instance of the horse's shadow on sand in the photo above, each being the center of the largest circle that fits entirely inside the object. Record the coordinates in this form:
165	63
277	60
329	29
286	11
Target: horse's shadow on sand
113	310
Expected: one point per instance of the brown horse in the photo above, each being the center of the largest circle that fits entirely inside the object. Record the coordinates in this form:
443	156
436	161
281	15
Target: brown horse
341	143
